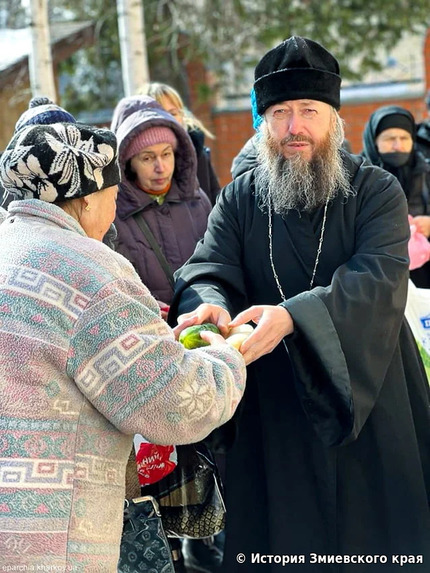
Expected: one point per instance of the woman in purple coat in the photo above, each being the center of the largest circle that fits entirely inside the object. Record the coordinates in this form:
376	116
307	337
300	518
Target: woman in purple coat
159	191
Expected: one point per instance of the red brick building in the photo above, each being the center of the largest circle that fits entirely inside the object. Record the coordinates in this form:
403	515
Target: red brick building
232	127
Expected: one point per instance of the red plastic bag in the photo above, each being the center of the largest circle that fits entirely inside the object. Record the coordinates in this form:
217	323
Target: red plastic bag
154	462
418	247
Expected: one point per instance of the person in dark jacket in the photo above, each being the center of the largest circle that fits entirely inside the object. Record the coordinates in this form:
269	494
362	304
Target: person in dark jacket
423	131
159	184
389	142
330	467
172	102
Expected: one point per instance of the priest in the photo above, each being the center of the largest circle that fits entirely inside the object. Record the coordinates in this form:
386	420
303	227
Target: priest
329	464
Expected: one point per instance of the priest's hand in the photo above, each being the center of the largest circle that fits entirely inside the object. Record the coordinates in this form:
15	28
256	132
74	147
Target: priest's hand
273	323
204	313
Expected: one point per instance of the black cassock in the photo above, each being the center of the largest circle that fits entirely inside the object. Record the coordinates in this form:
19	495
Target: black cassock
331	458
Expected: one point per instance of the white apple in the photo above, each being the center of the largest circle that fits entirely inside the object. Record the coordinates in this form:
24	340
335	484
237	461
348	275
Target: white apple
238	334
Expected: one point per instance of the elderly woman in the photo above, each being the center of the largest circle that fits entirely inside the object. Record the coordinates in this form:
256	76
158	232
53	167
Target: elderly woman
172	102
160	199
86	360
389	141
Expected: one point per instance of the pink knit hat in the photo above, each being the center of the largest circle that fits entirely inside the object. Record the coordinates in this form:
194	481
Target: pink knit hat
150	136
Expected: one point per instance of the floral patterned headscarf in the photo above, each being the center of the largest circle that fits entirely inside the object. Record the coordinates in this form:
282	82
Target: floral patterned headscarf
59	161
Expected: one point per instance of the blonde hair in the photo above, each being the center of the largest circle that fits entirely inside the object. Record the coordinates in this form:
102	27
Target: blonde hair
158	91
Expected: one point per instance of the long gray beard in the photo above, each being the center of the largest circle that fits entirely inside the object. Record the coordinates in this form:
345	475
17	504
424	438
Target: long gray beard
296	183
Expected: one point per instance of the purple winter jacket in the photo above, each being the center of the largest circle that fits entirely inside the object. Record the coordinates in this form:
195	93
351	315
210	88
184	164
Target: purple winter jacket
180	222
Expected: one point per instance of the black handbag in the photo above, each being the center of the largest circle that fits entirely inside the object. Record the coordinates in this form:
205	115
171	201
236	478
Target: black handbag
144	545
191	498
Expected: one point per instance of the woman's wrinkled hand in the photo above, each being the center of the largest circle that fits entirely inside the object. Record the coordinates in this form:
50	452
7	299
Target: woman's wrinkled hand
213	338
204	313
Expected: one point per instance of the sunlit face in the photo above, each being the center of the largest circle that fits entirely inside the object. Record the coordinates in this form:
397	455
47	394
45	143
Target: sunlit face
97	220
394	139
169	105
299	126
154	167
295	181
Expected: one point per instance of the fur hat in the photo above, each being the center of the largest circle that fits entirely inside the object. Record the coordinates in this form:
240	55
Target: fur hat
42	110
297	69
150	136
59	162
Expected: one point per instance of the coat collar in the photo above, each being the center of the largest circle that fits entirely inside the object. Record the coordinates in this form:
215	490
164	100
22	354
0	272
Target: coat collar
131	199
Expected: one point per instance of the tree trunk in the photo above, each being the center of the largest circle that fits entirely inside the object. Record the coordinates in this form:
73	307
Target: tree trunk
40	59
134	59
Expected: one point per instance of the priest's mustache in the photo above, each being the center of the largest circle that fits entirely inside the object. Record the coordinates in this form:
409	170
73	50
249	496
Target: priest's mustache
296	139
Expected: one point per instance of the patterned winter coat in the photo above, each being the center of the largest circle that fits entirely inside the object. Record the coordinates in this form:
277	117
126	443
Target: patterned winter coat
180	222
86	362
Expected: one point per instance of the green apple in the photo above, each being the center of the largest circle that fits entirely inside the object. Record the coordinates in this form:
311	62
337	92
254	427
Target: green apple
190	337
